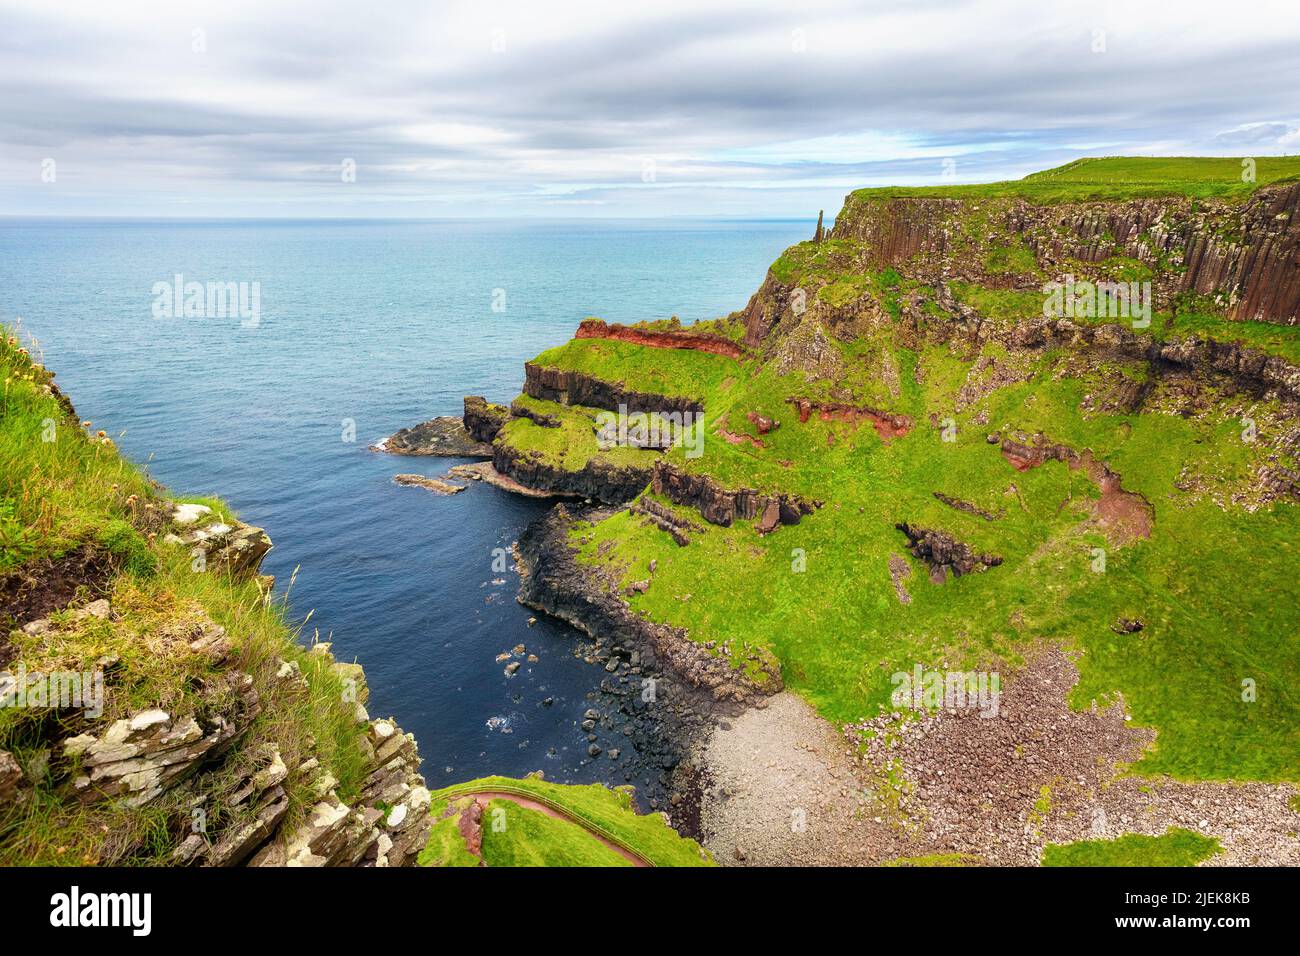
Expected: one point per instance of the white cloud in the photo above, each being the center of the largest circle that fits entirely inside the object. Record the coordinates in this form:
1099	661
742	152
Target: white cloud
509	108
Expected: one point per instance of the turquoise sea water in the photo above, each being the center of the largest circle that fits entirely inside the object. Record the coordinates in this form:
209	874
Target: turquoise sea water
370	326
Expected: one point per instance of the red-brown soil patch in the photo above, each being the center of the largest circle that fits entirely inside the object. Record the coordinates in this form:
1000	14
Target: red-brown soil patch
694	341
887	425
1124	514
732	438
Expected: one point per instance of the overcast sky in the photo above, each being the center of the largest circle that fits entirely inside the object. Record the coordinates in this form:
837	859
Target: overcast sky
659	108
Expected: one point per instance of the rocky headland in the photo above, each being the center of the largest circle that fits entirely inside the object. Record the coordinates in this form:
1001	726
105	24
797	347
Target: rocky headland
801	548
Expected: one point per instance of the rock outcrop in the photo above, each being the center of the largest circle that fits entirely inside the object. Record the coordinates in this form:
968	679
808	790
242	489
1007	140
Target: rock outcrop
568	387
589	598
200	753
671	339
483	419
598	480
720	506
665	519
945	554
886	424
445	436
231	546
1243	253
436	485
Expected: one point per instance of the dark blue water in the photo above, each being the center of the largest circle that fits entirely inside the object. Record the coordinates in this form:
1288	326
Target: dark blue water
381	324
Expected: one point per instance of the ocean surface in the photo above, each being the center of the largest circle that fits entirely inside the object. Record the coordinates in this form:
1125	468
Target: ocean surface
364	327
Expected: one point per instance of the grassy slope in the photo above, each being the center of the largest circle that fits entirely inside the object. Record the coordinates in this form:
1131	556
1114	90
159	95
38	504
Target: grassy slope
1116	177
570	446
1211	584
76	490
532	839
1010	306
1216	587
1175	848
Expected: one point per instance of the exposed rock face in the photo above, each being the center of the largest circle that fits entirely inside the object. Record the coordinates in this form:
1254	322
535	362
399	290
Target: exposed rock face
445	436
149	753
436	485
886	424
965	506
944	553
553	581
484	472
11	776
483	419
1244	253
519	410
388	826
719	506
138	758
598	479
695	341
1244	369
665	519
808	349
577	388
234	547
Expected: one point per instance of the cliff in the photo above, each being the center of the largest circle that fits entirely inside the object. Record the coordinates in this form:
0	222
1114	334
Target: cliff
907	456
158	708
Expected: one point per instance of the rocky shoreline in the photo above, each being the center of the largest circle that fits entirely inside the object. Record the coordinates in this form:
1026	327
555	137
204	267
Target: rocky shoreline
670	690
733	756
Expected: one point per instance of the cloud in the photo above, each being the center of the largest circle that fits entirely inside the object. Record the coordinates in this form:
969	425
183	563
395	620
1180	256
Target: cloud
1259	134
515	108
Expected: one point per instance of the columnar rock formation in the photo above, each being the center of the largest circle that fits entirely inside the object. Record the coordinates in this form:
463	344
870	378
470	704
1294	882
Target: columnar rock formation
1244	253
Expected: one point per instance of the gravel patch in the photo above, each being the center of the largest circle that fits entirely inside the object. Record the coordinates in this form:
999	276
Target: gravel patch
788	789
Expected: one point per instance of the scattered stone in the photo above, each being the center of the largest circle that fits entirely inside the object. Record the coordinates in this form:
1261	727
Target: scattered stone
436	485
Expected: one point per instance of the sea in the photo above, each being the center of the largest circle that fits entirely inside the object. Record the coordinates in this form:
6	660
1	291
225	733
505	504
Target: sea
334	334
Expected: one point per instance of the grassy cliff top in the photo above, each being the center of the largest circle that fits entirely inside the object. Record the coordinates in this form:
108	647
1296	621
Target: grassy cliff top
1115	178
1211	579
532	822
71	504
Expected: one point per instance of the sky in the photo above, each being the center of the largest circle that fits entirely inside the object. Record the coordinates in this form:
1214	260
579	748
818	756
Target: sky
440	109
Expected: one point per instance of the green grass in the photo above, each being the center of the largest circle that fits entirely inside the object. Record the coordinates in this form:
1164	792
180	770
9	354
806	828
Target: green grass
75	491
1214	586
1009	306
529	837
674	372
1113	178
1177	847
1014	258
445	846
725	327
610	811
572	445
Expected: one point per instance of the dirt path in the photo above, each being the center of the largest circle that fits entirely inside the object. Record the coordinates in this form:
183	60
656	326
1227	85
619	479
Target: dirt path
483	797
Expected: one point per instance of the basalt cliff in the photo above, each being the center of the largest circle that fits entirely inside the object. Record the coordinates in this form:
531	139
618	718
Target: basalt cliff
1046	430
